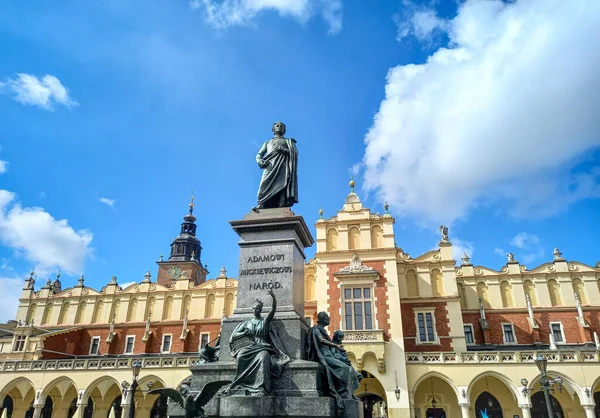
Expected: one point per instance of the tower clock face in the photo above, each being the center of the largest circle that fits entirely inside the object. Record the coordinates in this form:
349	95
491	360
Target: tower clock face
175	272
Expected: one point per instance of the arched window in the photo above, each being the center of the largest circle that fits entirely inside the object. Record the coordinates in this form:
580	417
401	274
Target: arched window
461	295
376	237
80	315
506	294
180	249
309	287
47	316
47	409
539	408
31	313
579	290
116	406
8	405
150	308
482	293
332	239
529	288
167	308
88	412
412	284
354	238
159	409
114	312
210	306
554	291
97	315
229	304
185	307
132	310
487	402
437	283
64	313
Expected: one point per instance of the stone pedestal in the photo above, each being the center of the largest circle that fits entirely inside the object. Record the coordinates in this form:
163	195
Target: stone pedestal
272	244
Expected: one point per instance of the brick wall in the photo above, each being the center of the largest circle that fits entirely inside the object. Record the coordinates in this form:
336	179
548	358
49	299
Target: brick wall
574	333
77	343
379	294
409	326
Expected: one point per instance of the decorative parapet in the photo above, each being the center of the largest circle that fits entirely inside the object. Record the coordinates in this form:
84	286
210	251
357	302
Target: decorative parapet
98	364
562	356
365	342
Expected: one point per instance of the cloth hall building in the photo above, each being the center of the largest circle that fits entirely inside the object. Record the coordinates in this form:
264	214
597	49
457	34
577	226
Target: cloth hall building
431	337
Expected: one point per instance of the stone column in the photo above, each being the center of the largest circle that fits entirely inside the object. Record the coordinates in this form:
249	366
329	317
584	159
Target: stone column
37	410
589	411
465	409
525	411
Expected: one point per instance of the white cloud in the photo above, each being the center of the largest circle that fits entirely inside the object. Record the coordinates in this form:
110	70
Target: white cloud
44	92
419	21
460	247
35	235
530	245
108	202
3	166
10	292
223	14
500	252
503	115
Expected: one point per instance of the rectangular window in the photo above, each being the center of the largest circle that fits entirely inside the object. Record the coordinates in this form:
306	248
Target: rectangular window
166	344
129	341
203	340
509	333
426	326
95	346
469	338
358	311
557	332
20	343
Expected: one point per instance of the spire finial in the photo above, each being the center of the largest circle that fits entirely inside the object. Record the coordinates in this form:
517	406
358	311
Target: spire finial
386	207
161	257
58	275
193	255
32	273
466	259
321	213
191	205
147	277
352	183
223	273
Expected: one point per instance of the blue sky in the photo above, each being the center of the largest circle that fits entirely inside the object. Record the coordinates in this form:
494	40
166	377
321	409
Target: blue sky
481	116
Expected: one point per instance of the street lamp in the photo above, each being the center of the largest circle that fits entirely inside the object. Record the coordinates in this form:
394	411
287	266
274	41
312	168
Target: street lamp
548	384
136	367
397	390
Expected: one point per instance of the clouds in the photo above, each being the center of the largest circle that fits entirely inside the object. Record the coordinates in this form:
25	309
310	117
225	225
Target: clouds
108	202
223	14
419	21
45	92
505	114
37	236
528	247
10	292
3	166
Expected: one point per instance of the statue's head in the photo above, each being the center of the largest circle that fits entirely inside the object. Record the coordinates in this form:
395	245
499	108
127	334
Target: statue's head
323	318
338	336
257	307
279	128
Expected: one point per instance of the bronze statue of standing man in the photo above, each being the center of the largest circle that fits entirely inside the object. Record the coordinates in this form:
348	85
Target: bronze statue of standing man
278	157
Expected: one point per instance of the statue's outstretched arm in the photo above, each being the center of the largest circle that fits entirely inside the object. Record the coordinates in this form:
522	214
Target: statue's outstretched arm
273	308
327	342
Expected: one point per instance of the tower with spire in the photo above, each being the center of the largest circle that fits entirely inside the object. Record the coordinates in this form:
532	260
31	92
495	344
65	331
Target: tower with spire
184	261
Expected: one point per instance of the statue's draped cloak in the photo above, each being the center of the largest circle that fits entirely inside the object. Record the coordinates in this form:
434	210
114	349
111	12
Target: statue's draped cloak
259	362
281	173
342	379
